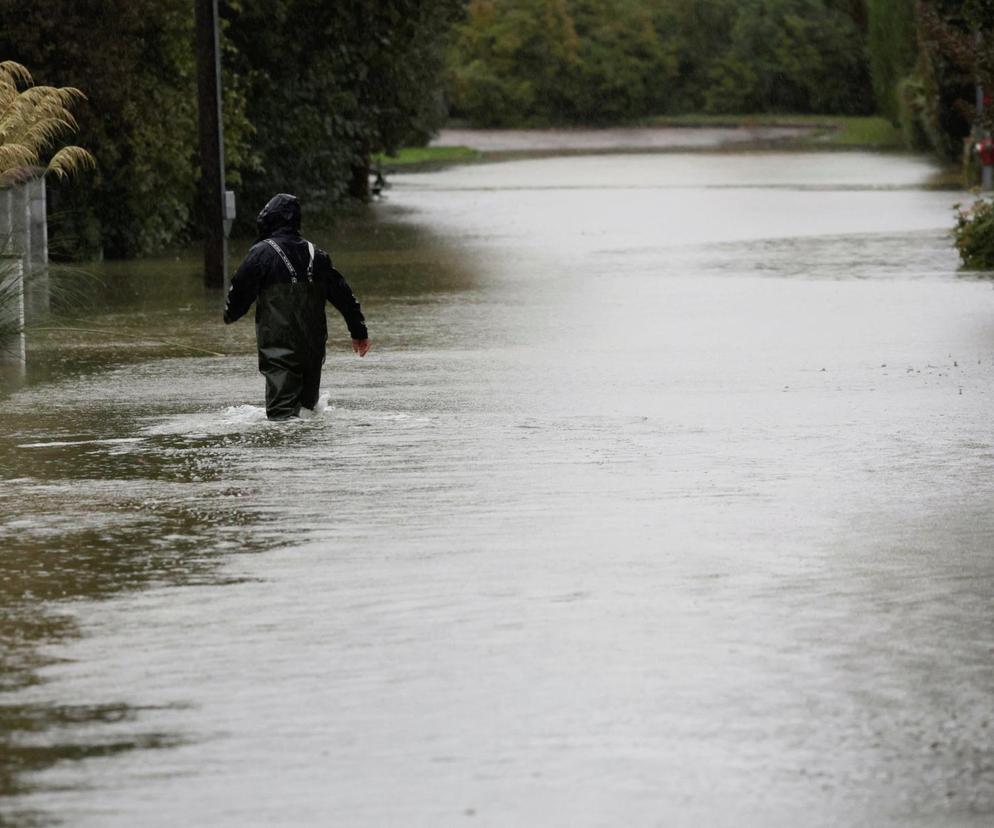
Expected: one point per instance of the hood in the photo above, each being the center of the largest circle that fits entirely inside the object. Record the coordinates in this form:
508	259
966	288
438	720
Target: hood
281	211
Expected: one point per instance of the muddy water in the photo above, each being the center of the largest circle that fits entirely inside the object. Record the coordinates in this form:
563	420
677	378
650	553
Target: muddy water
663	499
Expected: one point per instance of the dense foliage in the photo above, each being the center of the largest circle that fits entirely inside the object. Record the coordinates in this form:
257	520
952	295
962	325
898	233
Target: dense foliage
311	90
793	56
569	61
330	84
926	58
939	95
135	60
892	39
35	122
974	234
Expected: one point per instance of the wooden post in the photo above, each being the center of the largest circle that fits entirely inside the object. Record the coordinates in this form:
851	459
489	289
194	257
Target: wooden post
211	142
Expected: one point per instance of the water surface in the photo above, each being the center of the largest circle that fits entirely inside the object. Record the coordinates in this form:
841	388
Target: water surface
662	499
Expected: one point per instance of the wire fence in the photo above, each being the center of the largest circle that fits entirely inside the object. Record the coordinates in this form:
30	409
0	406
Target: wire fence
24	288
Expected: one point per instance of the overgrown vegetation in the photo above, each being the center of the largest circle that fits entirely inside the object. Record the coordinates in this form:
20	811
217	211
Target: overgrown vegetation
312	90
604	61
872	132
892	41
926	60
956	55
315	91
329	85
34	120
135	59
974	234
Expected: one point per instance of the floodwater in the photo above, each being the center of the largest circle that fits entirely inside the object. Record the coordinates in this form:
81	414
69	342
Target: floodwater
663	499
620	138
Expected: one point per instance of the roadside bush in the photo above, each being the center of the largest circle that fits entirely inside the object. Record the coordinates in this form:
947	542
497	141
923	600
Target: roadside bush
974	234
136	62
34	120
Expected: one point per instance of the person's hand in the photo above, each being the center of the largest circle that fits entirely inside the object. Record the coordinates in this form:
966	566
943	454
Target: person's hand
360	346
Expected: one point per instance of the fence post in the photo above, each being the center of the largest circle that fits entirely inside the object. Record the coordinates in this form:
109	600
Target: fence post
11	308
24	282
6	220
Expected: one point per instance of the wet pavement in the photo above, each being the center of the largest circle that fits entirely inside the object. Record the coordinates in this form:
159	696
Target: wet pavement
663	499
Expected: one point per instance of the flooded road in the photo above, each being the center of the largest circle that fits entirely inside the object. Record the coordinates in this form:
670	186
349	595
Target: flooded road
663	499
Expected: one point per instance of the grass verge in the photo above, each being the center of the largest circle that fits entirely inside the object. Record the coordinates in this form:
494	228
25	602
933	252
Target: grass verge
864	132
424	156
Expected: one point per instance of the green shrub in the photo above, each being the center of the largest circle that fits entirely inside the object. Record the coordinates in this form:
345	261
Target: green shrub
974	234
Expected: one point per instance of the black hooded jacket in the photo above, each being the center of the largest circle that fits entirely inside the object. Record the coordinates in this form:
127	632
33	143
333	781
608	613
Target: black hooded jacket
289	312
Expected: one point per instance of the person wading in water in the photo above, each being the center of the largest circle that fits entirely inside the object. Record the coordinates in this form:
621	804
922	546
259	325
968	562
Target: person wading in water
290	280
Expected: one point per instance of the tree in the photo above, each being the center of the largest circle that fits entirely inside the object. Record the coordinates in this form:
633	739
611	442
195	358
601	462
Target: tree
527	61
952	61
135	58
509	62
33	122
394	75
623	70
792	56
330	84
697	33
892	45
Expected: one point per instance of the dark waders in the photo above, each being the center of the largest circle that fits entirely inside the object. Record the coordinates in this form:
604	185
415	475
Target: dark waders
292	330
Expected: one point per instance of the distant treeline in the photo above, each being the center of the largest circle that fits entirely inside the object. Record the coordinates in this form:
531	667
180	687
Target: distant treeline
521	62
311	90
314	89
590	61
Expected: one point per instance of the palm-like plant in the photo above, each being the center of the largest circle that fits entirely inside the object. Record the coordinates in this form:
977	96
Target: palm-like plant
33	119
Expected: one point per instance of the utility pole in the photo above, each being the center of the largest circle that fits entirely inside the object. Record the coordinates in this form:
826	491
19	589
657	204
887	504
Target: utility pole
211	142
